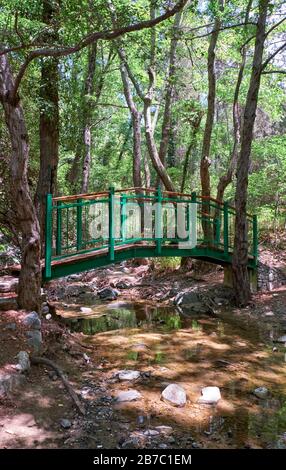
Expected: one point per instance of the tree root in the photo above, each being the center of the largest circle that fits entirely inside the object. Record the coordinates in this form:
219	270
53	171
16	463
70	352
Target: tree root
41	360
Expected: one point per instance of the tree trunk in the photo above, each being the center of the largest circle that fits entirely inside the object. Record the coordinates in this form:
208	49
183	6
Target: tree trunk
29	288
49	122
226	179
136	127
166	122
240	253
205	160
88	108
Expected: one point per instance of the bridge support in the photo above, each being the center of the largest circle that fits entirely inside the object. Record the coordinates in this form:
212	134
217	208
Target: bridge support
228	280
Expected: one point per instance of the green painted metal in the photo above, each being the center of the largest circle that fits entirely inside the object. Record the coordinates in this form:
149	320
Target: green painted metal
255	238
59	230
79	225
111	223
225	228
48	236
83	215
158	223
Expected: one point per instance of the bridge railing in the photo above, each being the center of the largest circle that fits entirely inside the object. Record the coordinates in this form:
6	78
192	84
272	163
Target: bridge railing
79	224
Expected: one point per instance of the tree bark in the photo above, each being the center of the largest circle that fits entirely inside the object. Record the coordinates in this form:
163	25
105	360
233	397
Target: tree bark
29	288
226	179
49	122
240	253
136	126
169	91
88	109
205	160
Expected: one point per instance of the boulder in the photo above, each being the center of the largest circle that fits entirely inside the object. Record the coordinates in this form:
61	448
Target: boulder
23	361
35	340
175	395
32	321
108	294
86	310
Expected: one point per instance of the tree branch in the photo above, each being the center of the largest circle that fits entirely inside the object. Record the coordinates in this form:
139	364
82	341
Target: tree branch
274	54
89	39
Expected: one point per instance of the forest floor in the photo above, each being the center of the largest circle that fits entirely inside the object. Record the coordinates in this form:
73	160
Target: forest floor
233	349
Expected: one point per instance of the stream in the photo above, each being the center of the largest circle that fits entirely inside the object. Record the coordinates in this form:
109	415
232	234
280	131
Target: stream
167	346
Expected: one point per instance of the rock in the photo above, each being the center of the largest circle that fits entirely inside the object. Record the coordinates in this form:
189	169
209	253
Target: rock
210	395
86	310
32	320
108	293
151	433
35	340
122	285
128	395
281	339
261	392
23	361
45	310
128	374
8	284
166	430
195	445
65	423
187	298
175	395
9	382
49	316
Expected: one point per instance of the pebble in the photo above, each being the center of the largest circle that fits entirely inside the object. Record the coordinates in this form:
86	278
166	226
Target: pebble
65	423
261	392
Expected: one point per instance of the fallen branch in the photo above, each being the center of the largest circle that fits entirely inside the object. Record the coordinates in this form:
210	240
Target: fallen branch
41	360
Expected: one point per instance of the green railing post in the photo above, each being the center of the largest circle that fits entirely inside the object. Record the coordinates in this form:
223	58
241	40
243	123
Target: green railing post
193	200
255	239
123	217
158	222
79	225
225	228
111	223
48	235
59	230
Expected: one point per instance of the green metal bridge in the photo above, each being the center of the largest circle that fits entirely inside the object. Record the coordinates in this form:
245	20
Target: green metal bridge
87	231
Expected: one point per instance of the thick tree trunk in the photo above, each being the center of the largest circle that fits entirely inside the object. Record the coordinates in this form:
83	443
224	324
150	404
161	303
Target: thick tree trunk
30	276
49	123
240	253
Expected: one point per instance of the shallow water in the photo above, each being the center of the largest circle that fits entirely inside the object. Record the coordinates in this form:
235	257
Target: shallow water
224	351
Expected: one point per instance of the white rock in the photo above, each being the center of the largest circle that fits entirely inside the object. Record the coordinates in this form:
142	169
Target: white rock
175	395
85	310
128	374
261	392
166	430
128	395
210	395
48	316
151	432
